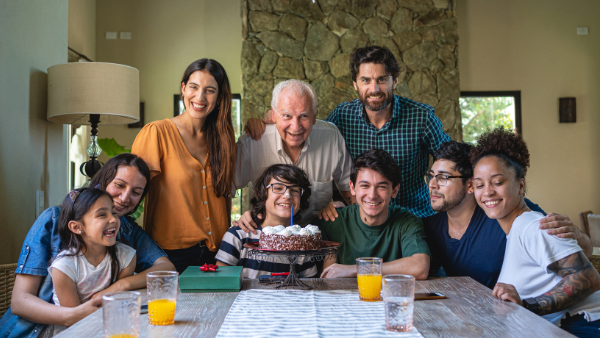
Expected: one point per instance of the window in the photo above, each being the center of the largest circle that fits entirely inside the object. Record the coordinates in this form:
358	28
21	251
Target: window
483	111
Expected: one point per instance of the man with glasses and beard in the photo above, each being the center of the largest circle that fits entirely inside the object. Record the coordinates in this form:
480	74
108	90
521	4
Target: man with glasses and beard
462	239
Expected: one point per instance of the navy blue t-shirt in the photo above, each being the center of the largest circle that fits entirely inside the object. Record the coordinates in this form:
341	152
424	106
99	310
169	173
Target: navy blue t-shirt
480	251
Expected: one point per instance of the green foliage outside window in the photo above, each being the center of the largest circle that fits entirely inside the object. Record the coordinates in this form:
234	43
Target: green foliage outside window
480	114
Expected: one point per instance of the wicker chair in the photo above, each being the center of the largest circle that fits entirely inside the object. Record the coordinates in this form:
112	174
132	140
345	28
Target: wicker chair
592	229
7	281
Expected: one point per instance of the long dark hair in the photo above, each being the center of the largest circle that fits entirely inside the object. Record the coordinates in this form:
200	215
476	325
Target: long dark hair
75	205
218	127
285	172
108	172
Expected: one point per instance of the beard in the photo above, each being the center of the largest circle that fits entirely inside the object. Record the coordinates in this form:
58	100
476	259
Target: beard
450	203
388	97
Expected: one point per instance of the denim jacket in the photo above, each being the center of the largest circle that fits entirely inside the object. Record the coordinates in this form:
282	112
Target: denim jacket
43	243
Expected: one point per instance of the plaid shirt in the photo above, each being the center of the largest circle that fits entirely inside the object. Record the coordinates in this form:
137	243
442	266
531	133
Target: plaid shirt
410	136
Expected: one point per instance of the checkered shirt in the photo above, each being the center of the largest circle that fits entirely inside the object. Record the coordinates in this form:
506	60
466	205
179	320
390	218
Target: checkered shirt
410	136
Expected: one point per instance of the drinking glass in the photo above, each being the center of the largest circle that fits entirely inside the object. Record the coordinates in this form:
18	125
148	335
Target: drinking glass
399	297
121	314
369	278
162	296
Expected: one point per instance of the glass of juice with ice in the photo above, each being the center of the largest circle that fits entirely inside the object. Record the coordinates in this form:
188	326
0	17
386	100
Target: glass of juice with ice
162	296
369	278
399	297
121	314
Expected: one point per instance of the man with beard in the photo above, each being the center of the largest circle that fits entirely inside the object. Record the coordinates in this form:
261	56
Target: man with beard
462	239
407	130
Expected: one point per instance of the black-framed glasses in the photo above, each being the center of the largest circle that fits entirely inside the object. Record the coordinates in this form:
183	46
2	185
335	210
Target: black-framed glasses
279	188
441	179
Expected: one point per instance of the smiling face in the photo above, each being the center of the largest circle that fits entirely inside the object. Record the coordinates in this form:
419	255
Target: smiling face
373	195
126	189
200	94
99	225
279	206
444	198
497	190
375	87
294	117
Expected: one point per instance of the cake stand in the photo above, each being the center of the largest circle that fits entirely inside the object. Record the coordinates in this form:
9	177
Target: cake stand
327	250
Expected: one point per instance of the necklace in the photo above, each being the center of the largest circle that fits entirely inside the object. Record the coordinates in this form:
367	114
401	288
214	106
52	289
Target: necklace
298	157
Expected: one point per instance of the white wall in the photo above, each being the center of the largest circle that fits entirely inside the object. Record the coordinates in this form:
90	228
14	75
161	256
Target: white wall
33	156
166	37
532	46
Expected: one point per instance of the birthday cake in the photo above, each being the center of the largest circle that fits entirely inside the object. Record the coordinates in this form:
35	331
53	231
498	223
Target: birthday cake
290	238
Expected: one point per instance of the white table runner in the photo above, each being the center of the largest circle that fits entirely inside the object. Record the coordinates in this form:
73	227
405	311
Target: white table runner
290	313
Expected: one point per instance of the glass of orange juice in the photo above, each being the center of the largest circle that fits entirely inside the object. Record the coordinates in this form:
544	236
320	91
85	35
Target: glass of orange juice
369	278
162	296
121	314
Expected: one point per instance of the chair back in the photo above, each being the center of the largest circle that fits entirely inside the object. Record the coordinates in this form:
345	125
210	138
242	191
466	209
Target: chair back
593	222
7	281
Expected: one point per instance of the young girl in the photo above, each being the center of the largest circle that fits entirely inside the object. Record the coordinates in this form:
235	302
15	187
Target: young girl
90	260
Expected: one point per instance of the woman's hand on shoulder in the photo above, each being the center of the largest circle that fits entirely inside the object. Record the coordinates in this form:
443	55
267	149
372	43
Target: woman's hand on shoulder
246	223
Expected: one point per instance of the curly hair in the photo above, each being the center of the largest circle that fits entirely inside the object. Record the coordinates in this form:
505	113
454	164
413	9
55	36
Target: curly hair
280	172
457	152
374	54
506	145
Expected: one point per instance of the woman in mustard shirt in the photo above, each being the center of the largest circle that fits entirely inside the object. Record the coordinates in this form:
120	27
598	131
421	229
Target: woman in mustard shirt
192	162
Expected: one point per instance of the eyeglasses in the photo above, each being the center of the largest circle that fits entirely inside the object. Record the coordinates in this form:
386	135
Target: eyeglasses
279	188
441	179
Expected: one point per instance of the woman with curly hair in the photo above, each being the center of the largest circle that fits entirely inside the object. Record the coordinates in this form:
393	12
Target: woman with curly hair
277	189
549	276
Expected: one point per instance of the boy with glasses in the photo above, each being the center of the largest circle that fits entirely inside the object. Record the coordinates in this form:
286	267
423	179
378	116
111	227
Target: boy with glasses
278	188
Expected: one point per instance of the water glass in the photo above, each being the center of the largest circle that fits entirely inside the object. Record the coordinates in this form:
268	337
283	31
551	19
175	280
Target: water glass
162	296
369	278
121	314
399	297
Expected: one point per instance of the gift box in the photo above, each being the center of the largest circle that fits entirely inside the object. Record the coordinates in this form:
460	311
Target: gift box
225	279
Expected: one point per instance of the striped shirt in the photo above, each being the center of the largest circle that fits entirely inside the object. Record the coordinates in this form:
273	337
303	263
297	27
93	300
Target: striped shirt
410	136
232	252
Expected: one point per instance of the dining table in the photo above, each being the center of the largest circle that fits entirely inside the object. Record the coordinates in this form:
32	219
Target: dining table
469	310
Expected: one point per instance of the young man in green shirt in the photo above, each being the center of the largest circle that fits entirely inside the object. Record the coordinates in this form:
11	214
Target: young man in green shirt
374	228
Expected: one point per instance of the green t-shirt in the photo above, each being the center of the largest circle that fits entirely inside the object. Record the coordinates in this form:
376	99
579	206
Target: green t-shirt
401	235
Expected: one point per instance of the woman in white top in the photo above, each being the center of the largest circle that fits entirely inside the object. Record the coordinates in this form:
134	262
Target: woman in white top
548	275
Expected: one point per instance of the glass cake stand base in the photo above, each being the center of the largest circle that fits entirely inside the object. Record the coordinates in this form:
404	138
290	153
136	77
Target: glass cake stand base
328	250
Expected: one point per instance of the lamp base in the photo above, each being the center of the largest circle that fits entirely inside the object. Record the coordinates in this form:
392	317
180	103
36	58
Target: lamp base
90	168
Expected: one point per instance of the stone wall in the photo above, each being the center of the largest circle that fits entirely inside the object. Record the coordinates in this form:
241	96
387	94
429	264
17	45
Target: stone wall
312	42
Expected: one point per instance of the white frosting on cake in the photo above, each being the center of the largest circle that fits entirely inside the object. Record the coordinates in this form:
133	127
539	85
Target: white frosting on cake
313	228
285	232
279	228
304	232
269	231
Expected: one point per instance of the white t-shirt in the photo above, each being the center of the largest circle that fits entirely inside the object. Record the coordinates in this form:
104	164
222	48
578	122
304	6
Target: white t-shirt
324	158
529	251
88	278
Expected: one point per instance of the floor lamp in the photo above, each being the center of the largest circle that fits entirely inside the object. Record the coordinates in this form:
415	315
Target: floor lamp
92	93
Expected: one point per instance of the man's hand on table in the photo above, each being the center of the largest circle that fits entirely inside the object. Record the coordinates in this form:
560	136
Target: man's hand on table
79	312
329	213
339	271
507	292
246	223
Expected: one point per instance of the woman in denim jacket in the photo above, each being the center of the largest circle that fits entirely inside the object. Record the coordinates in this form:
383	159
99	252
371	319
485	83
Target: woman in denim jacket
125	177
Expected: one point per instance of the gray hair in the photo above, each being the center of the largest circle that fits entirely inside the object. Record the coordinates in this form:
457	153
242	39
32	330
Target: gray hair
298	87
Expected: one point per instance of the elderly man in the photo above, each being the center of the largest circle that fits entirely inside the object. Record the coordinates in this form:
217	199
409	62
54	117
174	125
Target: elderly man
297	138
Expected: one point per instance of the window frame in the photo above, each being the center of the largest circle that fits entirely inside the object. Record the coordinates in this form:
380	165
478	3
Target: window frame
508	93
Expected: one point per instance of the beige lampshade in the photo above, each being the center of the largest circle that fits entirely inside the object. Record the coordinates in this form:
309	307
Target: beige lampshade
76	90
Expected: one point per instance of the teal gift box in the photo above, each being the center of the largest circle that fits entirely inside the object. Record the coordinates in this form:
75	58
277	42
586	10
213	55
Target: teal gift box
225	279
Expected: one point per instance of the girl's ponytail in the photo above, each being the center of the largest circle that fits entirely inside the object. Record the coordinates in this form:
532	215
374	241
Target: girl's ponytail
74	206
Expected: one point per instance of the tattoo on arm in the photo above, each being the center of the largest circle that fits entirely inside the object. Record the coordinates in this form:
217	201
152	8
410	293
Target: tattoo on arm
580	280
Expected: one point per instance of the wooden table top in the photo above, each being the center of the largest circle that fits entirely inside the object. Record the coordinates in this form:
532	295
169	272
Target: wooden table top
469	311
